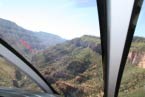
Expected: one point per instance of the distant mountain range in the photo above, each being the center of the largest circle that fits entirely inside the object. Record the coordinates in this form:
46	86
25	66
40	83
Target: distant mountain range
26	41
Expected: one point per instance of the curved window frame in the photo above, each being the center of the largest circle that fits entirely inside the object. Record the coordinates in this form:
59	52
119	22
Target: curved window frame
112	79
11	55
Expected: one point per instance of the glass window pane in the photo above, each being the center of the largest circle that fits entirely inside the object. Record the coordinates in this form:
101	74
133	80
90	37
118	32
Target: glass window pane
133	81
60	38
11	77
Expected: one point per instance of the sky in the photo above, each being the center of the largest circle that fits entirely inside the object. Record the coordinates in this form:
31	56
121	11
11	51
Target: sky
66	18
140	28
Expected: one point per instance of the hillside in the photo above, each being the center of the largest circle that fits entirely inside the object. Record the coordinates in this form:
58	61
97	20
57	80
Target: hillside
12	77
133	81
25	41
74	67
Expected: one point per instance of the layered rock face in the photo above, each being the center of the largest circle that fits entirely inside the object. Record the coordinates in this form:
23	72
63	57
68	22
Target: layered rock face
137	58
142	62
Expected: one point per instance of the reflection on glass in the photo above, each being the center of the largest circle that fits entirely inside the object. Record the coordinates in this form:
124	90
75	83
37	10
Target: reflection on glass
11	77
133	81
68	53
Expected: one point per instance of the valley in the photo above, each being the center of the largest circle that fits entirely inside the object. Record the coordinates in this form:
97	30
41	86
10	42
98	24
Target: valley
73	67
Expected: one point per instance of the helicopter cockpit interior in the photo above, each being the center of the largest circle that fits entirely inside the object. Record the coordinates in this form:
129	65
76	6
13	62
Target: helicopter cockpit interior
72	48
